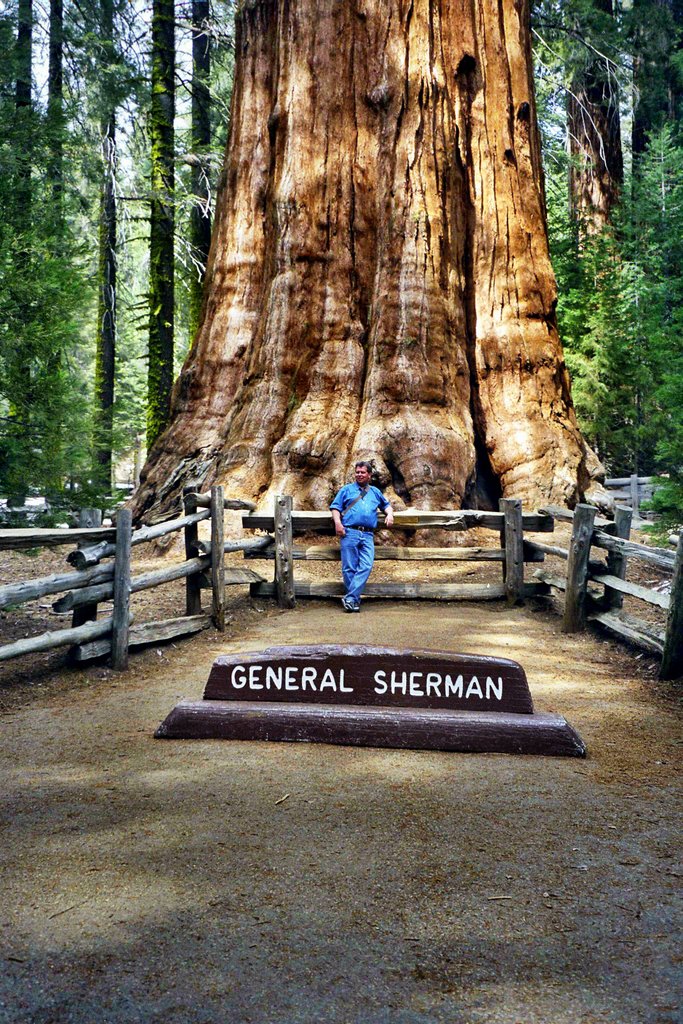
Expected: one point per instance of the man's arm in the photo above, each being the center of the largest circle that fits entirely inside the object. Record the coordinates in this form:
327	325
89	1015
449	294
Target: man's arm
386	508
338	525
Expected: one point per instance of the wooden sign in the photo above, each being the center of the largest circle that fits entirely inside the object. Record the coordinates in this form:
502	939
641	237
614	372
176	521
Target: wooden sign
371	675
372	696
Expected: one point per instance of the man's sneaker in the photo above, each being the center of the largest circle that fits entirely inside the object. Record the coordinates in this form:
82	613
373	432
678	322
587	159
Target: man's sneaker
347	605
356	606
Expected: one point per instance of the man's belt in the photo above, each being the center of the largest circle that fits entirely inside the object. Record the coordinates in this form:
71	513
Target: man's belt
363	529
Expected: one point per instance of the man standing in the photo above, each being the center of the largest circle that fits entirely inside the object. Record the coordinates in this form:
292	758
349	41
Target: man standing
354	511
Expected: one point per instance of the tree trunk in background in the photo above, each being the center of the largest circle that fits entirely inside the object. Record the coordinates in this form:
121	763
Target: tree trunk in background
658	91
200	218
162	226
597	167
24	109
55	108
379	282
105	354
19	360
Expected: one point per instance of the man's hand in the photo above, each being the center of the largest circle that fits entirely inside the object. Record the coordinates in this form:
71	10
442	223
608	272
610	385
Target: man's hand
389	518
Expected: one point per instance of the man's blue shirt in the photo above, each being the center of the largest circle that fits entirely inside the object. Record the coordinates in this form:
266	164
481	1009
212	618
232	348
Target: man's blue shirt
364	512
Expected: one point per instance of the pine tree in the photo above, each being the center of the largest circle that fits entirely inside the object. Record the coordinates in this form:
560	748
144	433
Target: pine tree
162	225
105	356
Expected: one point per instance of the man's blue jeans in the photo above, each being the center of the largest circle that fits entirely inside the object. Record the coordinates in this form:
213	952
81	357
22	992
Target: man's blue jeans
357	556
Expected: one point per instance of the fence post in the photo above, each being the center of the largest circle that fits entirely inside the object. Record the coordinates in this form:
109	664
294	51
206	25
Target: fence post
88	519
217	559
513	533
193	592
574	618
120	619
672	656
284	563
617	560
635	496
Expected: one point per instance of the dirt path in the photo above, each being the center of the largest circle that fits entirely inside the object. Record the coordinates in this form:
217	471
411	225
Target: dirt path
172	881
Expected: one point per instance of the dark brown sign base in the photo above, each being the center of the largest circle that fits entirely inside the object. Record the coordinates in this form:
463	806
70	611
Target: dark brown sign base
374	697
414	729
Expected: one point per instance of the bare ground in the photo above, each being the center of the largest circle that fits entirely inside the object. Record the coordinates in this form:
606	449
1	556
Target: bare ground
236	882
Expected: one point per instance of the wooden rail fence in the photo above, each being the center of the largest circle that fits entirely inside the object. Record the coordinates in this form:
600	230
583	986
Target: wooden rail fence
632	491
594	588
95	580
510	523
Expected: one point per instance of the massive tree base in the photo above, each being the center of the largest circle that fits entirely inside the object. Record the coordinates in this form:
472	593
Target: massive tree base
379	282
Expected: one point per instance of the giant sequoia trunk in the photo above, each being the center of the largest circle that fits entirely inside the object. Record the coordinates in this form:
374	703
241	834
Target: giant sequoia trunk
379	282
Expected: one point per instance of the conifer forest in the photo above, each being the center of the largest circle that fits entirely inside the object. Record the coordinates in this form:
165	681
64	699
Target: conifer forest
114	122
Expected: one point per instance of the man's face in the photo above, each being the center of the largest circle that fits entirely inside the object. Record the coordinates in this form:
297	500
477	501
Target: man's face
362	476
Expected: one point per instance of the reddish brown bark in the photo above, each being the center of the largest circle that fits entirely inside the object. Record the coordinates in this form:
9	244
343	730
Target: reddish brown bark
379	281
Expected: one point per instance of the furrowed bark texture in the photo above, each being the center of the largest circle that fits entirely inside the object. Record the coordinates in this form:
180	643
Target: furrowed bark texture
379	282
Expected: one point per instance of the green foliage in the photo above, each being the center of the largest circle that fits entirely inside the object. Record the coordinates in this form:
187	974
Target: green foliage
44	300
620	312
43	364
620	291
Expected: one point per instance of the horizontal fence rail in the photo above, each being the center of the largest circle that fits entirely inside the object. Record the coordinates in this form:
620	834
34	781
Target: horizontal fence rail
594	590
465	519
329	553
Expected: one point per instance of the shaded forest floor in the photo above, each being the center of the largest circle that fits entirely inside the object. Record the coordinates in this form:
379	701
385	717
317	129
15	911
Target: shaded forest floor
213	881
